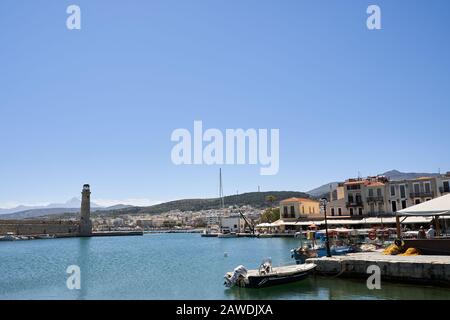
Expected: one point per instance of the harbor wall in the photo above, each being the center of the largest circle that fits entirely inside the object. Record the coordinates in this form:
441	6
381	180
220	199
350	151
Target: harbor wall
36	227
417	269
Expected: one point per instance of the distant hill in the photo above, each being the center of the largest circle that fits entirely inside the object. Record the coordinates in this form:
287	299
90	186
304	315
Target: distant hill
322	190
35	213
70	204
55	212
254	199
398	175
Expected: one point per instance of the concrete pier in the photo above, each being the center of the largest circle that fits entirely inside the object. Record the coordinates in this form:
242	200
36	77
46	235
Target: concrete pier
433	270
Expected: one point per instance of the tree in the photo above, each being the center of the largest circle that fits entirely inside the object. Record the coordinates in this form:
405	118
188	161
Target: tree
270	215
271	199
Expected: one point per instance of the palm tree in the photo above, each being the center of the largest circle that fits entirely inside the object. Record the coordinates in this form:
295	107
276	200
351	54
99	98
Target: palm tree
271	200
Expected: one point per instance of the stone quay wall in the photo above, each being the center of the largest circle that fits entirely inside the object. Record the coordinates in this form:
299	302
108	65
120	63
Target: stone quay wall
36	227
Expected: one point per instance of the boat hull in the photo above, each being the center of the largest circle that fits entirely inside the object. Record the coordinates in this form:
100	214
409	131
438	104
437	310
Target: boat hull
273	280
278	276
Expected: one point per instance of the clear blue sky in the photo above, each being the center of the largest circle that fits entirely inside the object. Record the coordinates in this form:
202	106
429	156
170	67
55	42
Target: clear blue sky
99	105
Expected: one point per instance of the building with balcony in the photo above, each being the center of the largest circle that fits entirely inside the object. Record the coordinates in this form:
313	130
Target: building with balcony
298	208
378	196
443	184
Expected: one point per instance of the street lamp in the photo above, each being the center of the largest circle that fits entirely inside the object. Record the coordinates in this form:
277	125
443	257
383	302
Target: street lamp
323	205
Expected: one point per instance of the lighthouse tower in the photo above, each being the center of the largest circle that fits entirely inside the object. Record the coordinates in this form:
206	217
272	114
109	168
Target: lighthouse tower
85	219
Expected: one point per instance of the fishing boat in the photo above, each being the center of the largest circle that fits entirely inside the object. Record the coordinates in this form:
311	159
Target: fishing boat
266	275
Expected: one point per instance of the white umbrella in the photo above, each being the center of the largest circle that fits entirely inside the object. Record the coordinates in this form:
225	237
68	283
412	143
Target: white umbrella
436	207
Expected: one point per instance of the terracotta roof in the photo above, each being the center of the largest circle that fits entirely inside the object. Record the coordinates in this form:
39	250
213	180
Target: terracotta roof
374	184
354	182
298	200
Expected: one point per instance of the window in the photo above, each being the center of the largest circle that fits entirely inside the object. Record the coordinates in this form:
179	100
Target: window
392	191
428	187
334	195
350	198
285	211
370	192
360	211
446	185
404	204
394	206
358	198
351	211
417	201
332	211
416	188
292	210
379	192
403	191
340	211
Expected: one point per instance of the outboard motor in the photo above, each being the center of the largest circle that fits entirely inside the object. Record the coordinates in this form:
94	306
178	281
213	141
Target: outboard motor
239	272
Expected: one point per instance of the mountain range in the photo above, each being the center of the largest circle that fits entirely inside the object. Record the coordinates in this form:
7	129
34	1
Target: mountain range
72	203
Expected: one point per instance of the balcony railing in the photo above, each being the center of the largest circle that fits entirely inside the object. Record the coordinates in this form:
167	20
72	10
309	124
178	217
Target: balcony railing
422	194
375	199
354	204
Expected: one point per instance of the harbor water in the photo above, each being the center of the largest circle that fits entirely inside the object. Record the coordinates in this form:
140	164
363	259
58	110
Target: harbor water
169	266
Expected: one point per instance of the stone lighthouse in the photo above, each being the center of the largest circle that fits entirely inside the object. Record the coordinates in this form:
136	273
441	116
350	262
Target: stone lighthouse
85	219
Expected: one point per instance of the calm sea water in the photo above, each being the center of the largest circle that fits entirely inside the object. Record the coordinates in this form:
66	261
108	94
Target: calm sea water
167	266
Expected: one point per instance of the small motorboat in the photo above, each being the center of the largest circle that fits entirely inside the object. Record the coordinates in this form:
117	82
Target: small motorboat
45	236
9	237
266	275
302	253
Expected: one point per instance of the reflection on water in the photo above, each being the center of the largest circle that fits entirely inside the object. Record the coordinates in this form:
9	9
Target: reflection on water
83	263
169	266
323	288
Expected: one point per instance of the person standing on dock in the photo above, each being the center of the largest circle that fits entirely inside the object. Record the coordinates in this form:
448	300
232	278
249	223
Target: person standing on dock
422	234
431	233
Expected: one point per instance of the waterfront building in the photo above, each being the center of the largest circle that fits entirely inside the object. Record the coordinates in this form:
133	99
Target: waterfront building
213	220
293	210
298	208
378	196
443	184
232	223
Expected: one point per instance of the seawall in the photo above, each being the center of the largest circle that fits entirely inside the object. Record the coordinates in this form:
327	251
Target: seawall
417	269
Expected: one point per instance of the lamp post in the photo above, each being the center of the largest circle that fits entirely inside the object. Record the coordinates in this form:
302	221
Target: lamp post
323	204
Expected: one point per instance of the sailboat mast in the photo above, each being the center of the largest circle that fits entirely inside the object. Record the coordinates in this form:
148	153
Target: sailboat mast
222	202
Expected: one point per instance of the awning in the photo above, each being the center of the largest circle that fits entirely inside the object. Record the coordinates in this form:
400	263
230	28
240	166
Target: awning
435	207
264	225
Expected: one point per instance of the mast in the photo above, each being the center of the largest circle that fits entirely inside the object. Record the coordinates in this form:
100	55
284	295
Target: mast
222	201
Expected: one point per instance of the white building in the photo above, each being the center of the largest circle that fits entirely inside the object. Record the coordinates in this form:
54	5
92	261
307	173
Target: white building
213	220
232	224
